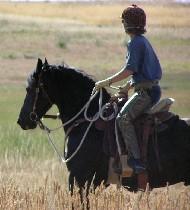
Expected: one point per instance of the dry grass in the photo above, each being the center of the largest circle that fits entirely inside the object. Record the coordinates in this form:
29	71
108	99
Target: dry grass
160	15
50	194
28	182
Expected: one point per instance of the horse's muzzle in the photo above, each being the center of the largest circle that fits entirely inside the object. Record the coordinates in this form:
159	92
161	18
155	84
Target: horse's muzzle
24	126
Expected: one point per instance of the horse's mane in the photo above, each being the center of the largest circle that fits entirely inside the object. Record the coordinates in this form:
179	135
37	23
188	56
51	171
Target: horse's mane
72	86
64	72
71	74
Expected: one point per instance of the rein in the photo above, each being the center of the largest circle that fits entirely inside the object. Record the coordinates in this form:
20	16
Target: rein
91	120
99	114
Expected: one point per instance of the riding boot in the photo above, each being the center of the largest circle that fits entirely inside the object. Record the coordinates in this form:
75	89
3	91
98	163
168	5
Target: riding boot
126	171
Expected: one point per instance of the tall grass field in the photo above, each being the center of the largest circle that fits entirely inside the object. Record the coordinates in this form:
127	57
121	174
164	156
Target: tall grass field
90	37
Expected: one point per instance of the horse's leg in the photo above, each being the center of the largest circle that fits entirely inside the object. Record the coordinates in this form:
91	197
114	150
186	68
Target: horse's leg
72	185
130	183
101	173
83	183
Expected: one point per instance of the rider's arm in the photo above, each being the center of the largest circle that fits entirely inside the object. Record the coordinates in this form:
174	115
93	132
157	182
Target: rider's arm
121	75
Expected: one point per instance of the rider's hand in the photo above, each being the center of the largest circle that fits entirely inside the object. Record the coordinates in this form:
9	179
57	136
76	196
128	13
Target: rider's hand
122	93
102	83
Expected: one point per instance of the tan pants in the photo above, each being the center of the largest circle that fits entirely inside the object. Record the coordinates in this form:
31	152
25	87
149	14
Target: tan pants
138	103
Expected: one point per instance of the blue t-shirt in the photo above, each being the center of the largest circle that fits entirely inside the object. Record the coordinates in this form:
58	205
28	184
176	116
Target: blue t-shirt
142	60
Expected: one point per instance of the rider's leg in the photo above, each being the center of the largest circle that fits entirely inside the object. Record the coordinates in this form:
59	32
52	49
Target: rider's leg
133	108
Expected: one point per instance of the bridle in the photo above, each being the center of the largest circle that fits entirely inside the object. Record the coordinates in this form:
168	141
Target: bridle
40	86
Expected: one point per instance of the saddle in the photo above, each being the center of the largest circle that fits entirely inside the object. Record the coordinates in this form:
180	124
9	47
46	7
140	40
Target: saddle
147	126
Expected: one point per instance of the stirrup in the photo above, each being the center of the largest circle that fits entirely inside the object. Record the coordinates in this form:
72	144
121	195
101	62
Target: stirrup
126	171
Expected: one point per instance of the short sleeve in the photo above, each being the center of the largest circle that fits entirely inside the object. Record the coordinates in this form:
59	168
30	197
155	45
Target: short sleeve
134	56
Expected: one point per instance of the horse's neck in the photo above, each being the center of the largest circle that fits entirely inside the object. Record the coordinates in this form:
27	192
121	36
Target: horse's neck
72	92
64	116
71	104
68	110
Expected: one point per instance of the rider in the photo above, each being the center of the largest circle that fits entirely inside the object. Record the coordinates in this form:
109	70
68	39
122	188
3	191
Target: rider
144	67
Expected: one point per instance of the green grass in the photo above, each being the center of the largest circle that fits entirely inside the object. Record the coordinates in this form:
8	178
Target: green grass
177	86
29	144
13	139
10	102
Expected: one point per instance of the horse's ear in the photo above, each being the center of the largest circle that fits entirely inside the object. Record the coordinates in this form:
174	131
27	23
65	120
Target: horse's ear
45	65
46	62
39	65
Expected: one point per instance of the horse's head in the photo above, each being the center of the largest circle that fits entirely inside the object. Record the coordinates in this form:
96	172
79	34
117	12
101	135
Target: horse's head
37	102
66	87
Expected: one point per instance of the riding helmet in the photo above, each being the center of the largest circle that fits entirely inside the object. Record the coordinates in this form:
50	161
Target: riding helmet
134	19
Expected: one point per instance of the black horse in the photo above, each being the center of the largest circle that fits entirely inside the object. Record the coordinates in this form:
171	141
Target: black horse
69	89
